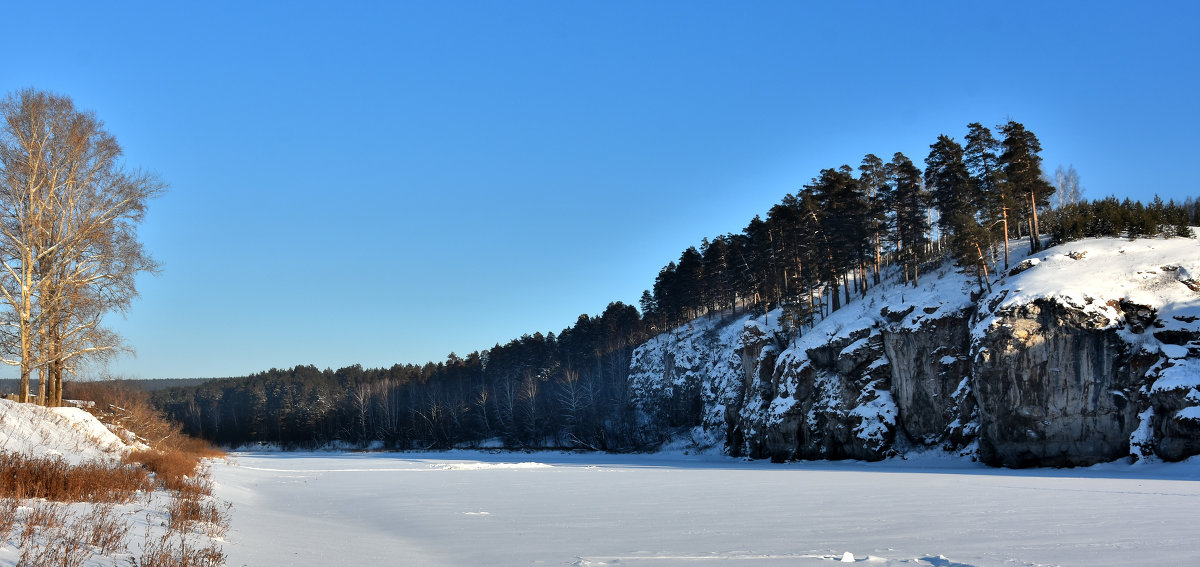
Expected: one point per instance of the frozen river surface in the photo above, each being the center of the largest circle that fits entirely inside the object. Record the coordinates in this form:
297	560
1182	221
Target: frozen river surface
467	508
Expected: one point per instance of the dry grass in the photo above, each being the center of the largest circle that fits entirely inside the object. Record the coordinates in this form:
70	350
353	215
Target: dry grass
43	517
106	529
205	515
8	516
172	549
172	456
62	547
129	408
53	478
171	468
52	538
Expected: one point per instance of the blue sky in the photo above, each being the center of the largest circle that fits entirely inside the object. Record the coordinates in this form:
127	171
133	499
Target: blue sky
389	182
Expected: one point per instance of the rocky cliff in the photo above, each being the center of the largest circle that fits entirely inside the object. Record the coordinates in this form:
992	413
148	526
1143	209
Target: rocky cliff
1084	353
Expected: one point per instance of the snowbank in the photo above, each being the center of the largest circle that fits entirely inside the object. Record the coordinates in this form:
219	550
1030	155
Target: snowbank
70	433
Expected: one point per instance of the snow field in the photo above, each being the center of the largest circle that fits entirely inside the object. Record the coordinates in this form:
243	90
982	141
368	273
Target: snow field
467	508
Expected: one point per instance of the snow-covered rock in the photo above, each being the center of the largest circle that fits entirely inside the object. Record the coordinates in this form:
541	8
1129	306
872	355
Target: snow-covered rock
1087	353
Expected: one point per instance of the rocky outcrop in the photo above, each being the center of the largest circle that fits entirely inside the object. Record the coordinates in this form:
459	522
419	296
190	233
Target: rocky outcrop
828	402
1175	405
1057	385
930	376
1048	369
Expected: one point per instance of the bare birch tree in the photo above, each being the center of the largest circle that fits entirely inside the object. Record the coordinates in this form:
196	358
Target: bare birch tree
1067	182
69	212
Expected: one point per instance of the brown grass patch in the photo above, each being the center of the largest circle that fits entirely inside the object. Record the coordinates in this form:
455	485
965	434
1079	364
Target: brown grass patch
53	478
172	456
205	515
171	468
42	517
48	535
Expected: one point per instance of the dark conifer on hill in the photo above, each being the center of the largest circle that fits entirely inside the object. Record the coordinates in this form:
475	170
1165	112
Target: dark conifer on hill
949	183
843	224
718	285
759	258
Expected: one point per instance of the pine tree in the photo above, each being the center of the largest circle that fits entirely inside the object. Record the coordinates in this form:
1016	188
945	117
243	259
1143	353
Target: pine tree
873	180
956	197
717	281
948	181
981	157
843	225
1023	174
690	281
665	298
910	203
759	259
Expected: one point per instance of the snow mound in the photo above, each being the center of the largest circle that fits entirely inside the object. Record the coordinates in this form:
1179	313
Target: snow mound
70	433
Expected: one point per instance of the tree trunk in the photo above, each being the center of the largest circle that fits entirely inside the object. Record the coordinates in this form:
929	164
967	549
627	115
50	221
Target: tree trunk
56	379
878	258
1004	216
43	377
983	266
1035	240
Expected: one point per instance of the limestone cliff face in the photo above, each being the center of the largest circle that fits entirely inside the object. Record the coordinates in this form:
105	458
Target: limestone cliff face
931	379
1057	385
1042	371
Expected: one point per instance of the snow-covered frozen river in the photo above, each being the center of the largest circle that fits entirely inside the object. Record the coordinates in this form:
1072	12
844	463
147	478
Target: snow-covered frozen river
469	508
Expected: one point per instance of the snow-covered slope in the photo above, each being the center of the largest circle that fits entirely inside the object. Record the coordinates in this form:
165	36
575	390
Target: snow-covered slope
1079	354
67	432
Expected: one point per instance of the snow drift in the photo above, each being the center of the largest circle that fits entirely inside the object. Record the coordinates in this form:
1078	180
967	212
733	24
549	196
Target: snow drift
67	432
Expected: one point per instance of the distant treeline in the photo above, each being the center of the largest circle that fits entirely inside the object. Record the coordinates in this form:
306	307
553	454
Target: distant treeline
815	251
540	390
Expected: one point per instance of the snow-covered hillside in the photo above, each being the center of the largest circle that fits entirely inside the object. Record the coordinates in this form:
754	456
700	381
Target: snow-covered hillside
1081	353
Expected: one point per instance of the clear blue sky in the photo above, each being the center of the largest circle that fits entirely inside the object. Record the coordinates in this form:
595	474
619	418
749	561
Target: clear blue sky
391	181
